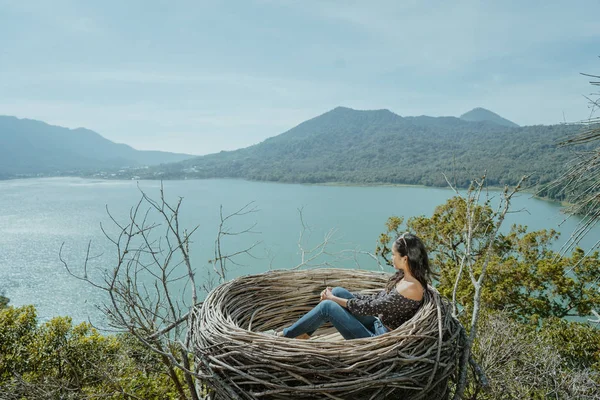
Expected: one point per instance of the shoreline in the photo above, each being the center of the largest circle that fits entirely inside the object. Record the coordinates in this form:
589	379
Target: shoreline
530	191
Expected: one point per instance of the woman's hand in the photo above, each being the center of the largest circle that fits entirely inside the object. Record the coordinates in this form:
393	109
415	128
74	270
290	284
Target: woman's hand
326	294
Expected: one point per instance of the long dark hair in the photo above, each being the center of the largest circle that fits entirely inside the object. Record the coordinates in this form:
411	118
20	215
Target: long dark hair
410	245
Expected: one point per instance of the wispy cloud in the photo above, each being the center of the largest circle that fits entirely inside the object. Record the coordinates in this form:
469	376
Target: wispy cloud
442	35
205	76
62	15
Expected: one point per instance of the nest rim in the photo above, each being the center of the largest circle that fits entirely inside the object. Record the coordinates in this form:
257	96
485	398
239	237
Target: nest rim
223	320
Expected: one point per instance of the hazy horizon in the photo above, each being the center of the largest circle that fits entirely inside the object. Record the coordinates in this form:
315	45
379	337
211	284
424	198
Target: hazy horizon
292	127
199	77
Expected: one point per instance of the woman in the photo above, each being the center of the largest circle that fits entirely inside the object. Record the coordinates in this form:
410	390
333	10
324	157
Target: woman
357	315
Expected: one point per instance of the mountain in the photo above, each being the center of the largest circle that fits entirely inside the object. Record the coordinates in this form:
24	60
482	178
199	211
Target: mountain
379	147
481	114
33	147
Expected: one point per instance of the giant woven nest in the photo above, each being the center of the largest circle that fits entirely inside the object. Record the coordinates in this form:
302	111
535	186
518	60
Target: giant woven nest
415	361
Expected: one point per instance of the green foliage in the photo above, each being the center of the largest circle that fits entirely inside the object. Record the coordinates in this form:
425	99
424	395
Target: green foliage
4	301
533	282
577	343
143	372
521	361
525	277
17	332
59	360
524	344
385	240
71	357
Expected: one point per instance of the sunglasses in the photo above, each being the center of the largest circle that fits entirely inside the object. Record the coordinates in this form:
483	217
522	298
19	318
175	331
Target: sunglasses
403	239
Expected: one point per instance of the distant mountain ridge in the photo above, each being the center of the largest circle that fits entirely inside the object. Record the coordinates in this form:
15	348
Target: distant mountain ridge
380	147
342	145
481	114
35	147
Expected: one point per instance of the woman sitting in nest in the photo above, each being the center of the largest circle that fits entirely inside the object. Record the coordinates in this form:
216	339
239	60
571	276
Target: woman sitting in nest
357	315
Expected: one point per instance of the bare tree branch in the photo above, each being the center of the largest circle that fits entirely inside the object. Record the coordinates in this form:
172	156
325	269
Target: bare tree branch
152	261
312	257
477	277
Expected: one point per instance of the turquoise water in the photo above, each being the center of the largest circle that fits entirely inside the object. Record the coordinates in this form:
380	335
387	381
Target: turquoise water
38	215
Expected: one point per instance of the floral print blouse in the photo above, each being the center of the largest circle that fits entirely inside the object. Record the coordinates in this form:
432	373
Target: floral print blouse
392	308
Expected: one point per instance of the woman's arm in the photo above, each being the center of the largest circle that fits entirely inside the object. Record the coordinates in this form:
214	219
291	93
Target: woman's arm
327	295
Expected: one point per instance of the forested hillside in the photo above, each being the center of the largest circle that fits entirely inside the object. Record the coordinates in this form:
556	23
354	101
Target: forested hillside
30	147
380	147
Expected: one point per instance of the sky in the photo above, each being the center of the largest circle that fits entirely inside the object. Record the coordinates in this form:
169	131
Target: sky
200	76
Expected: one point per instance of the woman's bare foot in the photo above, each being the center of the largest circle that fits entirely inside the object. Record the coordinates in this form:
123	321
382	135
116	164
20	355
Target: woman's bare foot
304	336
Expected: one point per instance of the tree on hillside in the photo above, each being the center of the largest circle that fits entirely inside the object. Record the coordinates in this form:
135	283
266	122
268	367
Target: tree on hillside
470	233
3	301
516	273
526	279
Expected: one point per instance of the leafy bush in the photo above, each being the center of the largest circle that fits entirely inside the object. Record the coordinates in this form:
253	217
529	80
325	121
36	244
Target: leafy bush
526	279
57	360
524	344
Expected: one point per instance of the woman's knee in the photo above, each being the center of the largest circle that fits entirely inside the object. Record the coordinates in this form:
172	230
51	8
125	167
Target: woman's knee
339	291
328	306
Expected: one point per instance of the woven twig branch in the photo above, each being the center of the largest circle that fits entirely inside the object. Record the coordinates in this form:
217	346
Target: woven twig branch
414	361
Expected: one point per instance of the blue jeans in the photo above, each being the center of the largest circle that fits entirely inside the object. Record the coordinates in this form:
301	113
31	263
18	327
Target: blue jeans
349	325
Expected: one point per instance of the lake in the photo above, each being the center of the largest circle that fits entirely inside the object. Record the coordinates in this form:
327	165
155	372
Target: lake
38	215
